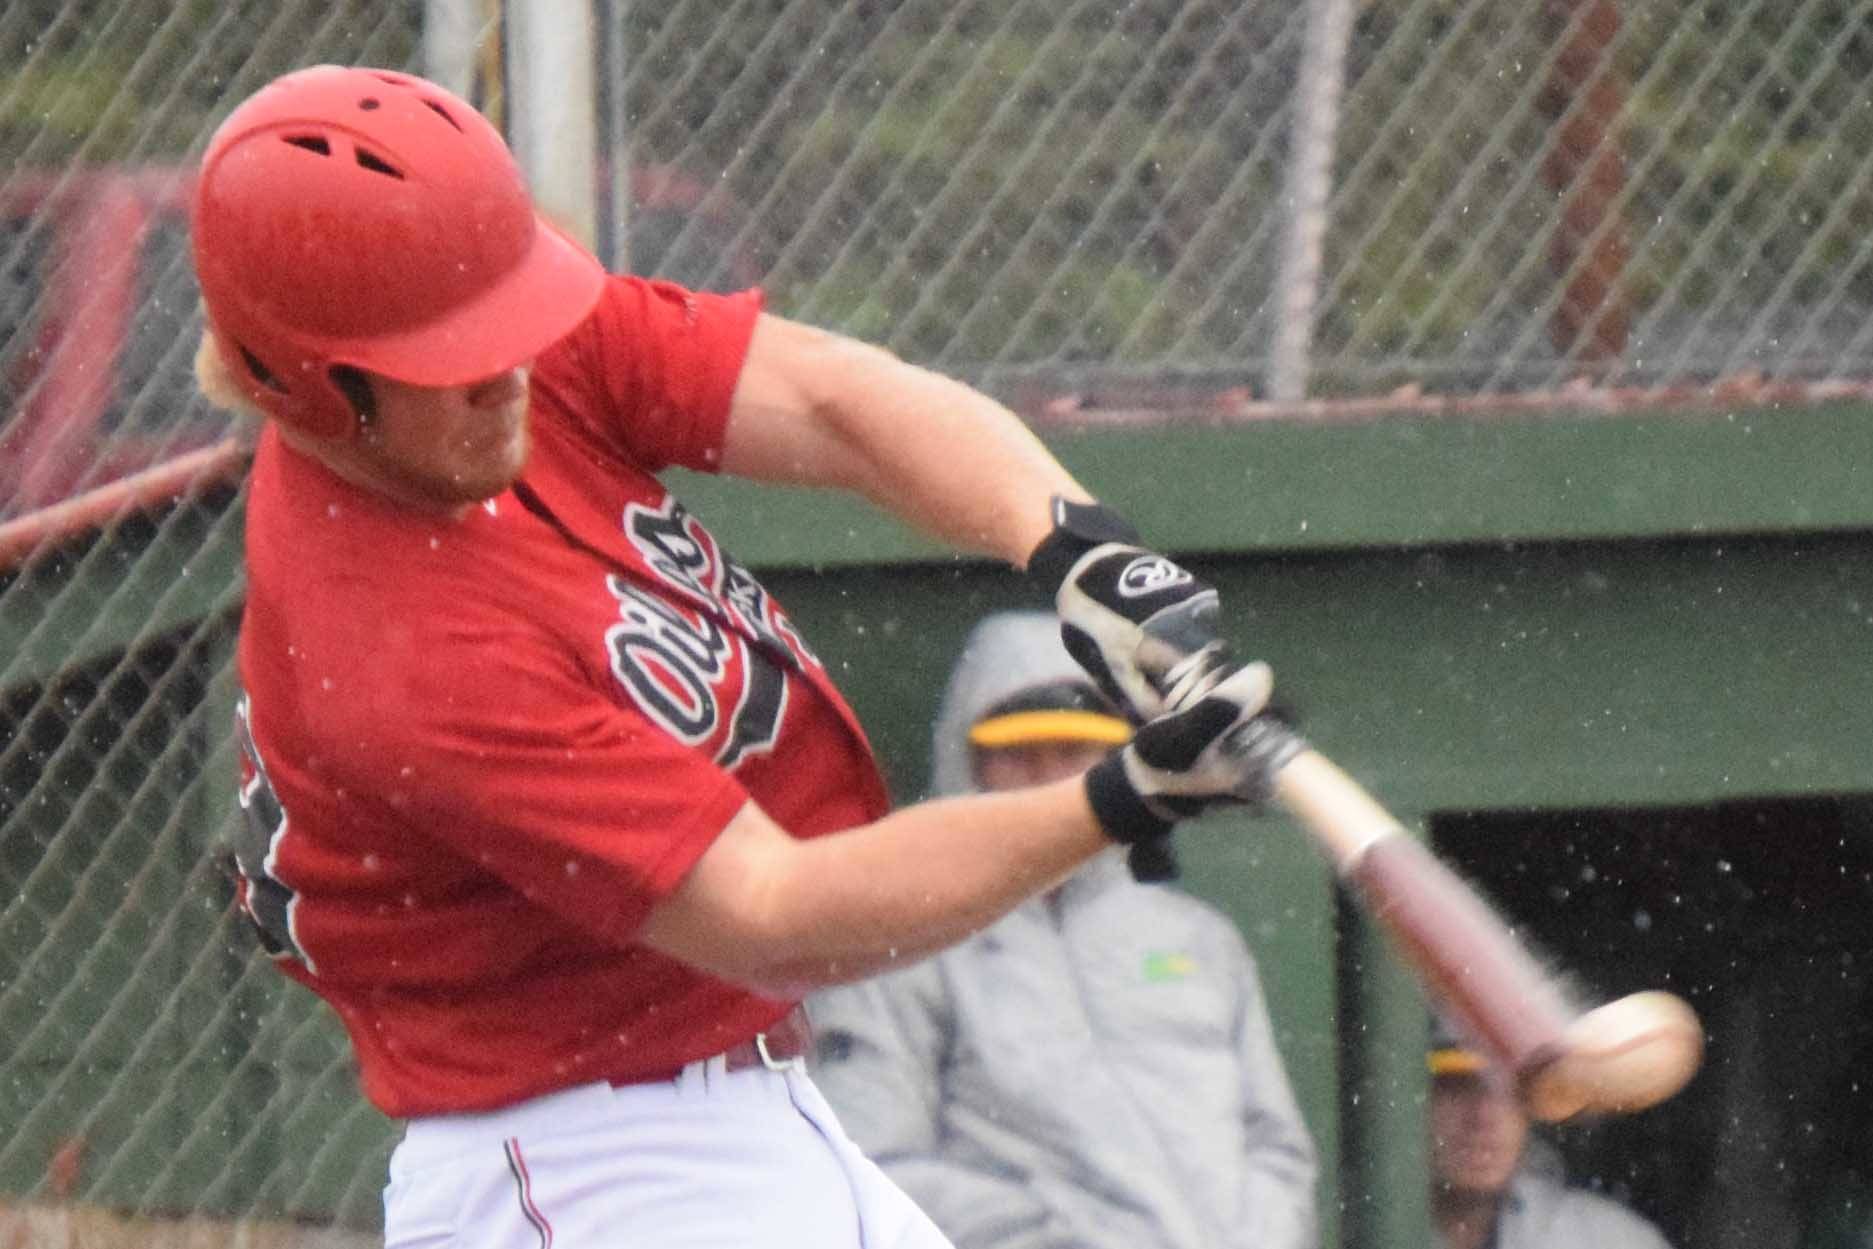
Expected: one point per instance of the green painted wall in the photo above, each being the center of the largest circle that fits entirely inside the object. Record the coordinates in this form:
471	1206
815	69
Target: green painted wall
1603	673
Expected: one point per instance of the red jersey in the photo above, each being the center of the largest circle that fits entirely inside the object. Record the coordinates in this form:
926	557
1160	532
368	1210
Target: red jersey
479	750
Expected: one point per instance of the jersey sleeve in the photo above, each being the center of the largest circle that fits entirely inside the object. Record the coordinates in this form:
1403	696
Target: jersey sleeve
654	368
509	760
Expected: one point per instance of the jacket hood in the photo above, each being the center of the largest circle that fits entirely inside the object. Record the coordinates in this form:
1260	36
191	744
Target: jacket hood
1003	655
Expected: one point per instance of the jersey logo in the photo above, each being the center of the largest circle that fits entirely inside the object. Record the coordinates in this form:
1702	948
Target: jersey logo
686	557
268	902
674	657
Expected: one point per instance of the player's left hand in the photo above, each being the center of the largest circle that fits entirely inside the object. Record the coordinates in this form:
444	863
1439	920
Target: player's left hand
1140	624
1185	762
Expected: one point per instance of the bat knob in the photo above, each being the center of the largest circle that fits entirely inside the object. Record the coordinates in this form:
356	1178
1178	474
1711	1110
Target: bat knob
1627	1055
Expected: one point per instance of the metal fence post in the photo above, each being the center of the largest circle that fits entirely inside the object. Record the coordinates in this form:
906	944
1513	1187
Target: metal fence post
1313	124
552	119
451	35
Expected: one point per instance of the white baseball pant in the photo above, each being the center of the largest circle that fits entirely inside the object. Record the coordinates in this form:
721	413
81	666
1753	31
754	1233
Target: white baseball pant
711	1160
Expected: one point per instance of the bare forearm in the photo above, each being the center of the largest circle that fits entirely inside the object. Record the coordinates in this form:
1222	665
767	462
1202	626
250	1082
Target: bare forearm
785	916
927	876
760	905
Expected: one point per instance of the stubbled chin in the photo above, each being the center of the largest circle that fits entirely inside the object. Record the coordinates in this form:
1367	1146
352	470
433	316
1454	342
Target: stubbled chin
481	489
500	472
484	483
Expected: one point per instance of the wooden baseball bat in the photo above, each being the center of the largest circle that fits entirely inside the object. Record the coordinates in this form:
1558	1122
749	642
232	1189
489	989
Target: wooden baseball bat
1620	1057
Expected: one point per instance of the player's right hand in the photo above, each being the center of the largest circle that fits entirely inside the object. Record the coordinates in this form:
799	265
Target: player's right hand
1184	762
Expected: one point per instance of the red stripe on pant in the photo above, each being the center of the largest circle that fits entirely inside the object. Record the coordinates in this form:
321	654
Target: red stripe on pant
523	1184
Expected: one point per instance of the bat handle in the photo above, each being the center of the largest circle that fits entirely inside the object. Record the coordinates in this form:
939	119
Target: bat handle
1347	822
1344	819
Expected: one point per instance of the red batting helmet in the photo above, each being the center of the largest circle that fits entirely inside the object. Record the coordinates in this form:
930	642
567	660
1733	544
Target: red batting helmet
372	219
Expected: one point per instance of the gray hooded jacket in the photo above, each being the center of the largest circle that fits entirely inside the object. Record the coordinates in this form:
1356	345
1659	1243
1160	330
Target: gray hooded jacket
1539	1212
1096	1070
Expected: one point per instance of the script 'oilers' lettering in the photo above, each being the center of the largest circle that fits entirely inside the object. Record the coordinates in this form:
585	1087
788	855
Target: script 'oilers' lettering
708	686
1148	574
687	558
669	659
267	901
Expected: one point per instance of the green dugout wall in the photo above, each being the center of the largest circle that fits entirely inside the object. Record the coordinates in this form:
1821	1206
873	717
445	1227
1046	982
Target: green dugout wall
1575	611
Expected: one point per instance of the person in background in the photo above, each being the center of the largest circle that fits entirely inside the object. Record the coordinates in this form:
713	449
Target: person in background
1096	1069
1492	1185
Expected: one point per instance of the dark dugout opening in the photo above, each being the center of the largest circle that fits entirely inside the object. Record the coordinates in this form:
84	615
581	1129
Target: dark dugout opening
1757	913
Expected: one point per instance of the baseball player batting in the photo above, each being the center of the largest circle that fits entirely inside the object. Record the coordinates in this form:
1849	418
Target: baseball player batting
544	794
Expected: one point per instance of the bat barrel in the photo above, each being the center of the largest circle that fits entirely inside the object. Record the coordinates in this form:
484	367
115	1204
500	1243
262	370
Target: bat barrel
1464	955
1623	1056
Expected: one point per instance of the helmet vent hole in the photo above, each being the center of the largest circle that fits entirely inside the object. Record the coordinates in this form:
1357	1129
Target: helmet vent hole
368	103
377	164
311	142
261	372
443	113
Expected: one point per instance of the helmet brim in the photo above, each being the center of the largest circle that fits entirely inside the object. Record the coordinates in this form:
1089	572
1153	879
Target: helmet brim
533	306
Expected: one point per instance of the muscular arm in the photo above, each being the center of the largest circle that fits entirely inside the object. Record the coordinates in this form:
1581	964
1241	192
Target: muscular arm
784	917
813	408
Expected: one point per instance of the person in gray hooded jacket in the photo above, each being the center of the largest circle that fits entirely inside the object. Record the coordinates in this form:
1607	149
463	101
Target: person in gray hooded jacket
1492	1185
1098	1069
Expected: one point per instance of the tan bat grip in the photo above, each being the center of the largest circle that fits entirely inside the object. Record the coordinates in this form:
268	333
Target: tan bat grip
1342	816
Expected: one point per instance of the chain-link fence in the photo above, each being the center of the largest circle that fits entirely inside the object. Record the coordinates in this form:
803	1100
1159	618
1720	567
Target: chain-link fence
1659	193
1075	203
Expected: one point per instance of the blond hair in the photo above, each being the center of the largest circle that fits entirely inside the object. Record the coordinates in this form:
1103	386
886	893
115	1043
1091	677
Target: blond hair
215	378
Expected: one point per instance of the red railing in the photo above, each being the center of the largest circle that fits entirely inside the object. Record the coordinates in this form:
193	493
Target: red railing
94	510
70	376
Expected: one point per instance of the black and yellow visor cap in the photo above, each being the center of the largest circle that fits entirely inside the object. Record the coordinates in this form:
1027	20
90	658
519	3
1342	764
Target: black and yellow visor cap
1451	1054
1453	1061
1062	711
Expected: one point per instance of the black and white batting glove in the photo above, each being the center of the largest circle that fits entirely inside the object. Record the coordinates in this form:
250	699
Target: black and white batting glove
1141	625
1185	762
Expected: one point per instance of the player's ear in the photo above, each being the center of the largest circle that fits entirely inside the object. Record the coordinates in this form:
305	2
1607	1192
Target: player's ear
355	385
